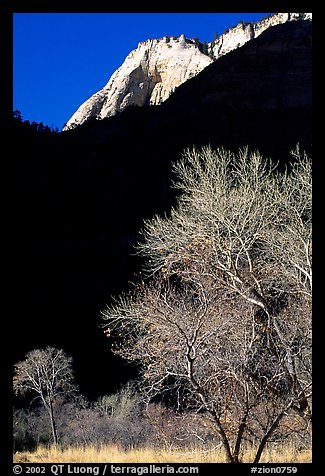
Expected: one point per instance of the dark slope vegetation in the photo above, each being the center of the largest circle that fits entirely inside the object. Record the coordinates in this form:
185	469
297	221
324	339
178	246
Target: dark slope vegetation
81	196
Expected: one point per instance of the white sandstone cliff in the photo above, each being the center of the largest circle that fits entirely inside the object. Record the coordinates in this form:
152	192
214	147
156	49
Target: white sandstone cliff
239	35
149	74
152	71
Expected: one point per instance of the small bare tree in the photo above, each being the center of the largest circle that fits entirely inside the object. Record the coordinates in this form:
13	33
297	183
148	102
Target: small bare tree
48	373
120	404
224	319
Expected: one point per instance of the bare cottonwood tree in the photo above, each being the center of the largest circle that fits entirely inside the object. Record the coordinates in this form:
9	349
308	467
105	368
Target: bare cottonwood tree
224	318
48	373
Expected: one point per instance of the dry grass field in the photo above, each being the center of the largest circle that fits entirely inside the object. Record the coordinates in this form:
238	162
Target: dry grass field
113	454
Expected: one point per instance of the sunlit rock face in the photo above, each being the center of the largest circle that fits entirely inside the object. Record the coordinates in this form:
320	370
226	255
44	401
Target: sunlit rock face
151	72
239	35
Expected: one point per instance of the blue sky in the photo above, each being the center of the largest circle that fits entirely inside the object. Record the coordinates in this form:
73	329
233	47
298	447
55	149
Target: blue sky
61	59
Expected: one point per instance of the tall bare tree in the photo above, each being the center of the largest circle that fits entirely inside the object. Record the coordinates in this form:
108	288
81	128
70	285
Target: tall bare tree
48	373
223	319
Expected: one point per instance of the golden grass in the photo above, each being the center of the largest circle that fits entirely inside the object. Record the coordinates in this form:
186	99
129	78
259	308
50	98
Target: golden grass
114	454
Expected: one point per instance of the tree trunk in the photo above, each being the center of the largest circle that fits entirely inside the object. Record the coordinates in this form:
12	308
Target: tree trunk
267	436
53	425
224	440
239	437
220	429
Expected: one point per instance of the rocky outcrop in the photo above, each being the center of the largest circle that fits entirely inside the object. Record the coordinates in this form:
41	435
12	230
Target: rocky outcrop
256	95
151	72
148	75
238	35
